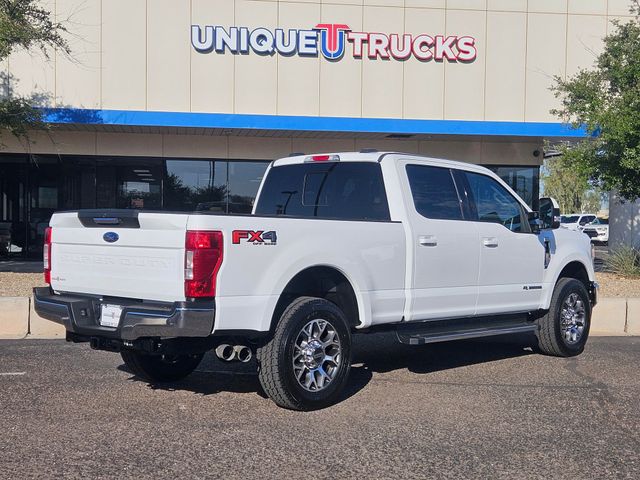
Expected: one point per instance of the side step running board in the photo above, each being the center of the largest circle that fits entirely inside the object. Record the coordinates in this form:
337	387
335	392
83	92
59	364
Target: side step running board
446	330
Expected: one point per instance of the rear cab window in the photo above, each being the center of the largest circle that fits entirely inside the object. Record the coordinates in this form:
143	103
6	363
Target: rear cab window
328	190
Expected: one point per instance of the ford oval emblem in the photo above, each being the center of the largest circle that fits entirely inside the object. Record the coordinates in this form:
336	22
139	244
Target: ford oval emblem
111	237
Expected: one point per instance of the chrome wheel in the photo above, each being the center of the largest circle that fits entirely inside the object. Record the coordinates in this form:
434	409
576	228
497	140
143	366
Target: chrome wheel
316	355
572	319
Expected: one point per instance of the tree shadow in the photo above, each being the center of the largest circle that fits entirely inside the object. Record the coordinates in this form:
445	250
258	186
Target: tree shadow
9	84
53	111
373	353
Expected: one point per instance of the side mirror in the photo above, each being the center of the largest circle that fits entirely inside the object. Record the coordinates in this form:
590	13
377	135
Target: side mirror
534	222
549	213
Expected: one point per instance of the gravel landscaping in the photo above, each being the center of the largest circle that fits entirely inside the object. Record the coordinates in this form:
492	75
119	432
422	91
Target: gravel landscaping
612	285
20	284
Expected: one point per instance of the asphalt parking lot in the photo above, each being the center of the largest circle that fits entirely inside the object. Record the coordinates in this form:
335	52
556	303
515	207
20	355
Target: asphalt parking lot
474	409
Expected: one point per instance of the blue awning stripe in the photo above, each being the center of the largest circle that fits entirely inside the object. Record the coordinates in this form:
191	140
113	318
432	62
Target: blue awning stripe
306	123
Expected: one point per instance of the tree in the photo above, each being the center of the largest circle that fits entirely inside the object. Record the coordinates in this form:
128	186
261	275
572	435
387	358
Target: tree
571	189
606	100
23	24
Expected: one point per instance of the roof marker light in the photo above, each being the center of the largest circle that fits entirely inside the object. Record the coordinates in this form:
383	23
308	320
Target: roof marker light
323	158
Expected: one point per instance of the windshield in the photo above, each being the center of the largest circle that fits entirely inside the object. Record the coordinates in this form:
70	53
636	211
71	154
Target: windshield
600	221
569	219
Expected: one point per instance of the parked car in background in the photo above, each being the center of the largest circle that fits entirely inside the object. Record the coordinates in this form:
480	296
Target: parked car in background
598	230
574	221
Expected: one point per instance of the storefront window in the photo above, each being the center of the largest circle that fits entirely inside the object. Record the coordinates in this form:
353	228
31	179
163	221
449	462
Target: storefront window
33	187
43	196
78	183
244	181
14	228
195	185
129	183
212	185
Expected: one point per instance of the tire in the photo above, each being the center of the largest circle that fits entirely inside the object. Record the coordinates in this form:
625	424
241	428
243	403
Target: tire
160	368
553	338
289	374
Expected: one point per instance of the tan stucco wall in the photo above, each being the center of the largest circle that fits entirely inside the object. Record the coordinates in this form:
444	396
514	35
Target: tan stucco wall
481	150
136	54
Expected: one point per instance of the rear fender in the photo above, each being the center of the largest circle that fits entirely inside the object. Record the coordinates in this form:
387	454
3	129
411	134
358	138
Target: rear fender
357	283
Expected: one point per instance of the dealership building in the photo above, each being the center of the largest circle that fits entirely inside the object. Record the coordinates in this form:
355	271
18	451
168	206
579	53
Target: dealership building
180	104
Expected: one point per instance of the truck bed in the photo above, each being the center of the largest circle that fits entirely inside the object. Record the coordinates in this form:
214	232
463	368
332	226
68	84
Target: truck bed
147	260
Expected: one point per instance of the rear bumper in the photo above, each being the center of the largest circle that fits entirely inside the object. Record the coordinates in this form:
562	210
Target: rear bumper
597	237
80	314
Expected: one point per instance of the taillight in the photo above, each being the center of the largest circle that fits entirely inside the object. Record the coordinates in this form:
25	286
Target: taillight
202	260
46	255
323	158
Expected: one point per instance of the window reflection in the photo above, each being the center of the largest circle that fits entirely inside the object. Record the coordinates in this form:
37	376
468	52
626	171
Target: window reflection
434	193
523	180
244	180
32	188
196	185
129	183
494	204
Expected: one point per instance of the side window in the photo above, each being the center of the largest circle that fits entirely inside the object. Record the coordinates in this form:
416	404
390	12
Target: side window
587	219
494	203
434	193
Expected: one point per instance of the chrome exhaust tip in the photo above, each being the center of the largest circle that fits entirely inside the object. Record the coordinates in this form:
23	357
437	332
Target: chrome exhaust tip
225	352
242	353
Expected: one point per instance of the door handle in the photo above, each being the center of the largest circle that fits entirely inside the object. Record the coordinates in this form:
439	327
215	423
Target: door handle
428	240
490	242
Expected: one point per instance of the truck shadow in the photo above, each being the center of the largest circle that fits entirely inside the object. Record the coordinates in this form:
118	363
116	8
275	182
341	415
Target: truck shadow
213	376
382	353
372	353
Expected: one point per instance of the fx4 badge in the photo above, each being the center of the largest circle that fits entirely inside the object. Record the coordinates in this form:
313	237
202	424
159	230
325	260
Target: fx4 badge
259	237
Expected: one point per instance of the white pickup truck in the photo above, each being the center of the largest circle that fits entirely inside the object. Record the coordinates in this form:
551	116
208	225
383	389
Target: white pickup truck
337	244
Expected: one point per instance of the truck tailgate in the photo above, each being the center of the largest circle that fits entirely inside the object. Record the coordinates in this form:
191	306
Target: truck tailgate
146	261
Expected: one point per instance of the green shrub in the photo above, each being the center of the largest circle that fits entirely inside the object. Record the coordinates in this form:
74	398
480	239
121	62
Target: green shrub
624	261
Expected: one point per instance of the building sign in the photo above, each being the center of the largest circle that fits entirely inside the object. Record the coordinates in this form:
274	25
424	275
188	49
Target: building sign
332	40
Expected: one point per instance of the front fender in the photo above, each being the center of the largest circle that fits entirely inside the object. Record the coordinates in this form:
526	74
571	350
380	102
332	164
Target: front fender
566	247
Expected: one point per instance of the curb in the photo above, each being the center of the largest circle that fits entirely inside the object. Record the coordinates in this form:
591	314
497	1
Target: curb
14	317
609	317
18	319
